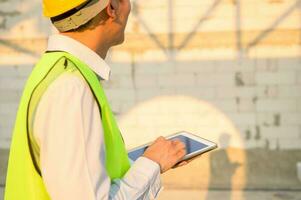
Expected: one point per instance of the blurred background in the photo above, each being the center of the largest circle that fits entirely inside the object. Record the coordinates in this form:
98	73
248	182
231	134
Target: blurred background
226	70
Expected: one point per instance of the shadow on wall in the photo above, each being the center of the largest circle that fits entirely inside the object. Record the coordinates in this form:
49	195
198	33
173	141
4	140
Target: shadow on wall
222	169
231	167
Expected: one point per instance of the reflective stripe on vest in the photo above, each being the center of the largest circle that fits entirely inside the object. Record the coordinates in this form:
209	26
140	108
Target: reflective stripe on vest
23	179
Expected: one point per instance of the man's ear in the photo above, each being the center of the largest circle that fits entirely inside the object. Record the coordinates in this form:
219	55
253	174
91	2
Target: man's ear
111	9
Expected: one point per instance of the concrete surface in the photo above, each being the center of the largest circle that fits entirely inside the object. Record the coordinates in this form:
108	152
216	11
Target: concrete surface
238	169
252	169
3	165
257	172
228	194
1	193
222	195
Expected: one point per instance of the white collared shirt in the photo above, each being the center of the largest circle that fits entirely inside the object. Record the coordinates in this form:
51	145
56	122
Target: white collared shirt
67	126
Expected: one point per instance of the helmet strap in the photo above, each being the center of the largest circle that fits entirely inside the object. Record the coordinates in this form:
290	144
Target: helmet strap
80	16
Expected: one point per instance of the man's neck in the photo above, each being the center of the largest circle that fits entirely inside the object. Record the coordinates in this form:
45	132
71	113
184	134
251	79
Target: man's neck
92	41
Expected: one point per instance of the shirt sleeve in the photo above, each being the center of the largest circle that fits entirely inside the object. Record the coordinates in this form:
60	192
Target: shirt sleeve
68	129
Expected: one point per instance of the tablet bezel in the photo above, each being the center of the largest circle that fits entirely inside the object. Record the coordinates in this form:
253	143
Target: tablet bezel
210	145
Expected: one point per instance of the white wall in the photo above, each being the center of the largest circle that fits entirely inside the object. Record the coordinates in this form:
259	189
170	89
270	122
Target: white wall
209	87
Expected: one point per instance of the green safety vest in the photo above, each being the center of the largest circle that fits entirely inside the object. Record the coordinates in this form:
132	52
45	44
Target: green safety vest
24	180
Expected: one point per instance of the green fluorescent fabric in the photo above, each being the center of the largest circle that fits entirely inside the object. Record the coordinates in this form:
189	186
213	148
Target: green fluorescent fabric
24	180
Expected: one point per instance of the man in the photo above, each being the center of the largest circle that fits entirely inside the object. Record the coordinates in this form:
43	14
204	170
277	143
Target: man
66	144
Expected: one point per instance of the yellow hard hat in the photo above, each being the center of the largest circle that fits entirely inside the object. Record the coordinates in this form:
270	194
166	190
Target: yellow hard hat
52	8
70	14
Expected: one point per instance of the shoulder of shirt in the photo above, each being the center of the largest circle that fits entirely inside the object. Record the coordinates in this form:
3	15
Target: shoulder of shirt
69	86
67	83
70	78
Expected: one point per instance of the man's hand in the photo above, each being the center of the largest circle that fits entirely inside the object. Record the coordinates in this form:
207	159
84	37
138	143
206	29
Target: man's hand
185	162
166	153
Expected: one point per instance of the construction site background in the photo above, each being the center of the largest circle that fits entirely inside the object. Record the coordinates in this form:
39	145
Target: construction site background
227	70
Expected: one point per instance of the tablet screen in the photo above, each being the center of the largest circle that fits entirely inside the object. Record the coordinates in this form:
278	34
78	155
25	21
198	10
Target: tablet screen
191	146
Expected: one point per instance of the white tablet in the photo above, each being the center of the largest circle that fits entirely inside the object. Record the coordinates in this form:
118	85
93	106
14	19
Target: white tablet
195	145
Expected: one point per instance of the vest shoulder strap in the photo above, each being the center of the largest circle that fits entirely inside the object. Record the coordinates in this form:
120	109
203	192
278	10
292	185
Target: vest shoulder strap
62	66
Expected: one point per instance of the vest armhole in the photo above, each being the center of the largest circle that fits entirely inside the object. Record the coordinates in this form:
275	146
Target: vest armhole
62	66
58	68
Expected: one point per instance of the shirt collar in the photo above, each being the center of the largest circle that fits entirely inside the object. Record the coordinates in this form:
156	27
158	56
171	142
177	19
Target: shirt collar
60	42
